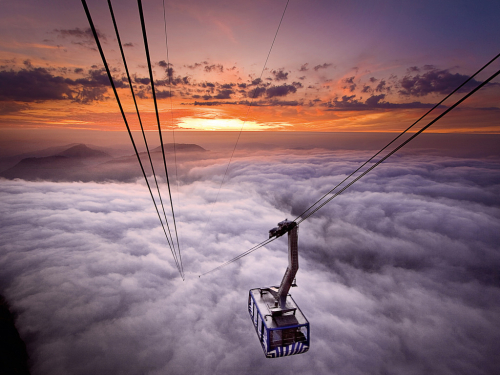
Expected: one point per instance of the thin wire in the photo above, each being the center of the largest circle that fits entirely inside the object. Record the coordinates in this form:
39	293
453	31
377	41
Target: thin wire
137	111
143	24
247	114
364	173
172	118
391	142
256	247
125	120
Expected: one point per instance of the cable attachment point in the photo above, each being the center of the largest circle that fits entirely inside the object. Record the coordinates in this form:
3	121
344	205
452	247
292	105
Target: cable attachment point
283	227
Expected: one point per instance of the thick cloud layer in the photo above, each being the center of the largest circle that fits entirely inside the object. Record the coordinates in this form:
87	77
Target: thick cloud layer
397	276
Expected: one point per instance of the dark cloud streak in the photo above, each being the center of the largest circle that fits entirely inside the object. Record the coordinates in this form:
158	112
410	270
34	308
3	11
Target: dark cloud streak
434	82
35	84
38	84
374	102
322	66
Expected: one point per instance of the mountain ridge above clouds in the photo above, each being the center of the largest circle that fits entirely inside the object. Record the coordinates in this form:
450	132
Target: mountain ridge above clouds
83	151
69	150
69	158
180	147
79	162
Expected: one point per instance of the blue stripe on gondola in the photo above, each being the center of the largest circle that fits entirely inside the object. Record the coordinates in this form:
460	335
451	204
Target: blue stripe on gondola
283	351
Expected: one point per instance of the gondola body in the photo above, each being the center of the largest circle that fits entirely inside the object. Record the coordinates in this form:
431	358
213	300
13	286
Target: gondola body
281	333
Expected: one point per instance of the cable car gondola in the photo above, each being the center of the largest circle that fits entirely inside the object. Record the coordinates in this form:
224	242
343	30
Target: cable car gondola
281	326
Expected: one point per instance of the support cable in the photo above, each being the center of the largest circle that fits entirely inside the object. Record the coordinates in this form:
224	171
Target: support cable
248	112
143	24
138	114
251	250
172	119
365	172
94	32
395	139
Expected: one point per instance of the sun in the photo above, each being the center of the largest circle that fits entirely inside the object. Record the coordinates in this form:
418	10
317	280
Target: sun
232	124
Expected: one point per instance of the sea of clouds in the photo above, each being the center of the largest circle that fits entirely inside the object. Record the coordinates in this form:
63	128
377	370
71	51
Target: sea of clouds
399	275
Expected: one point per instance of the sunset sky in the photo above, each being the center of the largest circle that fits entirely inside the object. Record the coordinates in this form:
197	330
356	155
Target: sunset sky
335	65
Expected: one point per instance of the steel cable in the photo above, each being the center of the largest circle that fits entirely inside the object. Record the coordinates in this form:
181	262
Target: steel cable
94	32
144	34
172	118
139	117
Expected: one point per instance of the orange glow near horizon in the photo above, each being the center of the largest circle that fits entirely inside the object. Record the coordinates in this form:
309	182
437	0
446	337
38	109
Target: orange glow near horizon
105	116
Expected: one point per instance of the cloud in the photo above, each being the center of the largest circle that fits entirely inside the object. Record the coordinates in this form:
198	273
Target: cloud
224	94
280	74
79	33
169	68
382	87
434	81
285	103
323	66
12	107
82	37
374	102
282	90
214	68
162	94
181	80
32	85
256	81
398	275
304	68
273	91
212	103
256	92
142	81
87	95
98	78
349	83
194	66
367	89
260	103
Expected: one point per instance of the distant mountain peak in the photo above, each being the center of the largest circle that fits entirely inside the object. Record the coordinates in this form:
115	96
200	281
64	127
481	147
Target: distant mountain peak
180	147
82	151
